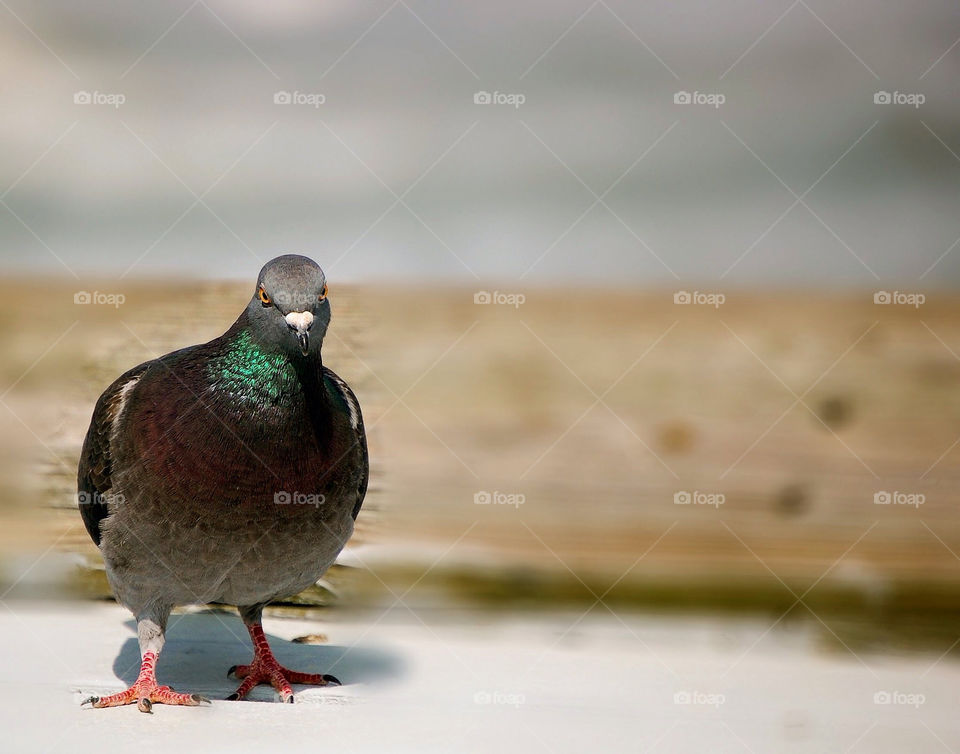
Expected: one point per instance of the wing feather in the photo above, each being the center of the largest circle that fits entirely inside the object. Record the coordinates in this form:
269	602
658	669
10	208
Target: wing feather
94	481
356	421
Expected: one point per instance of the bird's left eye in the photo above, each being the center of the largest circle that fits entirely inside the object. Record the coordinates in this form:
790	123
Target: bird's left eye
264	298
323	293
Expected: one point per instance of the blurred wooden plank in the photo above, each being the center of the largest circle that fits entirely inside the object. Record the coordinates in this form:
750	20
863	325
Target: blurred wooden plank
503	398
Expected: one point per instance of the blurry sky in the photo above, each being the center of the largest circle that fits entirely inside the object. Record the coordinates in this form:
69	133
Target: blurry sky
797	178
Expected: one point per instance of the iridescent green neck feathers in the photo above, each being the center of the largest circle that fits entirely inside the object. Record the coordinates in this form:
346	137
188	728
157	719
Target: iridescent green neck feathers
247	371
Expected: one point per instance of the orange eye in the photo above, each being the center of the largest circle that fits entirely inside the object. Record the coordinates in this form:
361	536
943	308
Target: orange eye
264	298
323	293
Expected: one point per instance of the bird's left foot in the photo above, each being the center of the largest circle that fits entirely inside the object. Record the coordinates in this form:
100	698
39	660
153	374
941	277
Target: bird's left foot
266	669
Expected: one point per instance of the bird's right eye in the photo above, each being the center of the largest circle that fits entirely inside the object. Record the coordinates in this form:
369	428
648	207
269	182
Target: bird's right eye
264	298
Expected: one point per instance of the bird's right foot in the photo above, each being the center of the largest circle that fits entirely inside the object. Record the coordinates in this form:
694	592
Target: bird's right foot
145	692
145	697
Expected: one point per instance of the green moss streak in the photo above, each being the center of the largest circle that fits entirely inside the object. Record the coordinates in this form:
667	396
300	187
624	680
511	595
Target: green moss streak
249	372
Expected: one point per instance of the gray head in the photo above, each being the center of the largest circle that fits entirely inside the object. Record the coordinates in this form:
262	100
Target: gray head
289	311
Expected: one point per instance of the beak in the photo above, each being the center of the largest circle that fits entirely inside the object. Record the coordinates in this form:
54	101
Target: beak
300	323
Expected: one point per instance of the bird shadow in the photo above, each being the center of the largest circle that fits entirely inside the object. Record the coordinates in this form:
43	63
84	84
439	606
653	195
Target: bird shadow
201	647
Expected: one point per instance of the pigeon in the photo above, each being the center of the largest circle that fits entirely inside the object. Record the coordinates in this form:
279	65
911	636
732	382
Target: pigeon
230	472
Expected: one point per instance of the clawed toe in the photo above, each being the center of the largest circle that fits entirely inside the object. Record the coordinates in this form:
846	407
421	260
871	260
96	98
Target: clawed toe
239	671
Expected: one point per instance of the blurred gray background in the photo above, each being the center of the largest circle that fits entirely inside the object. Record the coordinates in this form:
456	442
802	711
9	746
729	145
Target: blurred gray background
199	169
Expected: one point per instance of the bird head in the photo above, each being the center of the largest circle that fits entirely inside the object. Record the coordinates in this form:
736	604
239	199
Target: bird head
289	311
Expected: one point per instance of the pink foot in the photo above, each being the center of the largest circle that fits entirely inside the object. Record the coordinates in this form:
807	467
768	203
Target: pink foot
266	669
146	692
